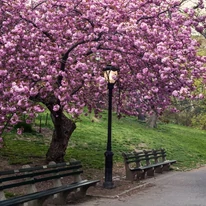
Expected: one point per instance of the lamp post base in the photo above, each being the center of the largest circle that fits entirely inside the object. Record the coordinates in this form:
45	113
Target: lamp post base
108	185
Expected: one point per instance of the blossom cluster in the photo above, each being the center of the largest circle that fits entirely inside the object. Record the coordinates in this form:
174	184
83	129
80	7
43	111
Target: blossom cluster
53	53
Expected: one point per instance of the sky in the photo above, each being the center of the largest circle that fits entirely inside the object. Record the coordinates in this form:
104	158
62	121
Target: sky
189	3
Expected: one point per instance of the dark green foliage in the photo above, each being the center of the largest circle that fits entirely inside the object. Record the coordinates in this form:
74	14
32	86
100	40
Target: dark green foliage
27	128
9	194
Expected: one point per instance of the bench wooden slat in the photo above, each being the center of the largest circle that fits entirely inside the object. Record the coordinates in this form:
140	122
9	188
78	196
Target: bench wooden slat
7	172
136	160
56	170
133	156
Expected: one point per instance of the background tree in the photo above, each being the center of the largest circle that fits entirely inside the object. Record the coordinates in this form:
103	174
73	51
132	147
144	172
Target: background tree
191	112
53	52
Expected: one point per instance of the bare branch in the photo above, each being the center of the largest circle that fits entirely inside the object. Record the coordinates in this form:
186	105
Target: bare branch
34	6
77	88
162	12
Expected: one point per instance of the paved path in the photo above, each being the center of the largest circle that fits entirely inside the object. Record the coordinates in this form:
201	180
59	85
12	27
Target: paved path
170	189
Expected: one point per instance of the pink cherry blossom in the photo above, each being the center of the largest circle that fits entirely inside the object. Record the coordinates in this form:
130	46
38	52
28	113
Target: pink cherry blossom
175	93
53	54
19	131
56	107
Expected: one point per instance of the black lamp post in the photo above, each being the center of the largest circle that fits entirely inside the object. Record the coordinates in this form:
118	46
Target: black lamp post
110	74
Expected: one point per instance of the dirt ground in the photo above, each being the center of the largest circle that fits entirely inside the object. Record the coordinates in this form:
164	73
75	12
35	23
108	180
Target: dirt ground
121	185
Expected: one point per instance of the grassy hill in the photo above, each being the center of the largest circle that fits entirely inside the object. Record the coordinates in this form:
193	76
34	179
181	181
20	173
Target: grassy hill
88	142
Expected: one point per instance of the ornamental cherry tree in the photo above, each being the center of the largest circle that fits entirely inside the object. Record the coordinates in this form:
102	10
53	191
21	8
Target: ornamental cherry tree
53	53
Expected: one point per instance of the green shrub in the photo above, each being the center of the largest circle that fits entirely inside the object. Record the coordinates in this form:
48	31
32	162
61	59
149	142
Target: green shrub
199	121
27	128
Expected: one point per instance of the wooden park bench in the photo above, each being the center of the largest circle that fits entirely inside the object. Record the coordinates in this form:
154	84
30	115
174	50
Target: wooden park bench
138	165
31	176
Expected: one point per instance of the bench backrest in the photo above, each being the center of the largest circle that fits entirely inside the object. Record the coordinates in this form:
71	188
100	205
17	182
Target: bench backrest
134	159
31	175
145	157
160	155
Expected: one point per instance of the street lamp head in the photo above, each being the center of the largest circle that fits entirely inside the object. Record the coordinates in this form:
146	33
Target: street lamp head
110	74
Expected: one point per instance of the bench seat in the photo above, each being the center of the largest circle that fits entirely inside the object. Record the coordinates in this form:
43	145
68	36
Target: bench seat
84	184
153	165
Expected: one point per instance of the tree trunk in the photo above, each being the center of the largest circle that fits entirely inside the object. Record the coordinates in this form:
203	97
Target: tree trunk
141	116
63	129
152	120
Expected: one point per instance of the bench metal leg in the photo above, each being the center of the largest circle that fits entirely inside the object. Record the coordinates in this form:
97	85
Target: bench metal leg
61	198
2	195
159	169
134	177
166	167
83	190
150	172
38	202
141	175
130	175
22	204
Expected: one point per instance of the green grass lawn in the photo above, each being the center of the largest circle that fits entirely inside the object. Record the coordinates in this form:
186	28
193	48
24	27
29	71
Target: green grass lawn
88	142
